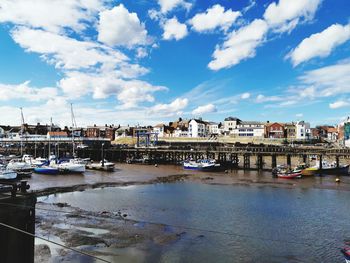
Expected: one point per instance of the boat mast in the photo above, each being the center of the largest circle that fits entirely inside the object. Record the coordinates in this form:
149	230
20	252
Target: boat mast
22	129
50	139
74	125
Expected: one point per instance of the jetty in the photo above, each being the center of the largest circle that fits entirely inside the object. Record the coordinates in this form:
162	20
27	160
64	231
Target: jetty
234	156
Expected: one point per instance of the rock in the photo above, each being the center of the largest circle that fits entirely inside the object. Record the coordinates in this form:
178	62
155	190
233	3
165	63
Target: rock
42	253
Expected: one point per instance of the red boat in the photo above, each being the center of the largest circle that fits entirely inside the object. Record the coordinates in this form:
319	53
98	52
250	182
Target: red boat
289	175
346	253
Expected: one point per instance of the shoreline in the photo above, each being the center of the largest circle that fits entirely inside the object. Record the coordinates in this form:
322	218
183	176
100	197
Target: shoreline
236	177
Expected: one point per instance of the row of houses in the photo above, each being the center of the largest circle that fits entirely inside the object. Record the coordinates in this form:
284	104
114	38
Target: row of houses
237	128
193	128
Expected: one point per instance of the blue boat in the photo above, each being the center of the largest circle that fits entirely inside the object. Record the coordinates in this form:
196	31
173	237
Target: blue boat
46	170
201	165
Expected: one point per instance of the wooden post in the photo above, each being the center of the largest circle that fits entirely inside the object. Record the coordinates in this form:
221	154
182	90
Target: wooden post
274	161
337	161
246	164
320	161
289	160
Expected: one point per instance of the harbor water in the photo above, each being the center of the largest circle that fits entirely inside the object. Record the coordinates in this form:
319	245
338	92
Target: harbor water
229	223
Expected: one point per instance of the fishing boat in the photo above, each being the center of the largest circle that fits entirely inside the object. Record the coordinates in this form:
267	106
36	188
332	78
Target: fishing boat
327	168
289	175
201	165
6	174
102	165
346	253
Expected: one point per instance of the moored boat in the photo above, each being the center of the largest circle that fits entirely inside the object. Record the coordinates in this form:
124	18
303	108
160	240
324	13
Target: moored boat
327	168
346	253
201	165
46	169
289	175
102	165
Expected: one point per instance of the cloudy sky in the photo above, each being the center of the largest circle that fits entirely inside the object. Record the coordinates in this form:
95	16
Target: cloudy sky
149	61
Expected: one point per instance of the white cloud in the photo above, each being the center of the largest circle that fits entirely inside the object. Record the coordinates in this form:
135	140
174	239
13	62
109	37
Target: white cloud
214	17
245	95
52	15
167	110
204	109
299	115
262	98
103	85
239	46
339	104
328	81
119	27
320	44
173	29
286	14
141	52
24	91
63	51
168	5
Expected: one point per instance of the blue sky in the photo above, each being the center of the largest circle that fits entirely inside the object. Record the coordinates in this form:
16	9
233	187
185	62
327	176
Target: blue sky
129	62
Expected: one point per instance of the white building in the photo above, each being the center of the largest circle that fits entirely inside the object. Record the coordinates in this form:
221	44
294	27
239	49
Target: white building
303	131
180	133
213	128
249	129
198	128
230	124
159	129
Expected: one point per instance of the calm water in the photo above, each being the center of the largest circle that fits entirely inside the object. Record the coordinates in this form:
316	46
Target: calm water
262	224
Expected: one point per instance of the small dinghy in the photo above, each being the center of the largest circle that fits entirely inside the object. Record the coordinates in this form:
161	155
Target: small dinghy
102	165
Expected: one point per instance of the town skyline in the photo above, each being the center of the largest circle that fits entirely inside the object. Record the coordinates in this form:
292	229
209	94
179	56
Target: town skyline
281	61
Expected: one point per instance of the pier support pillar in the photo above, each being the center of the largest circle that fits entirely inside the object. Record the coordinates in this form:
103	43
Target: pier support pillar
274	161
246	163
260	162
289	160
337	161
304	158
320	161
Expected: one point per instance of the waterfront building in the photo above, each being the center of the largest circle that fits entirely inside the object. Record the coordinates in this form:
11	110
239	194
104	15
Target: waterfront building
163	130
332	134
230	123
213	128
274	130
303	130
122	132
290	131
106	131
249	129
198	128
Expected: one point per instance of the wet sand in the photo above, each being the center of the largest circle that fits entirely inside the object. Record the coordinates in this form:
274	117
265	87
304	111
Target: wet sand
128	174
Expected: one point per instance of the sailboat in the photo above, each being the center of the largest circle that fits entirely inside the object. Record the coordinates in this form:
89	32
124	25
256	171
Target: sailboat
73	165
19	165
46	168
